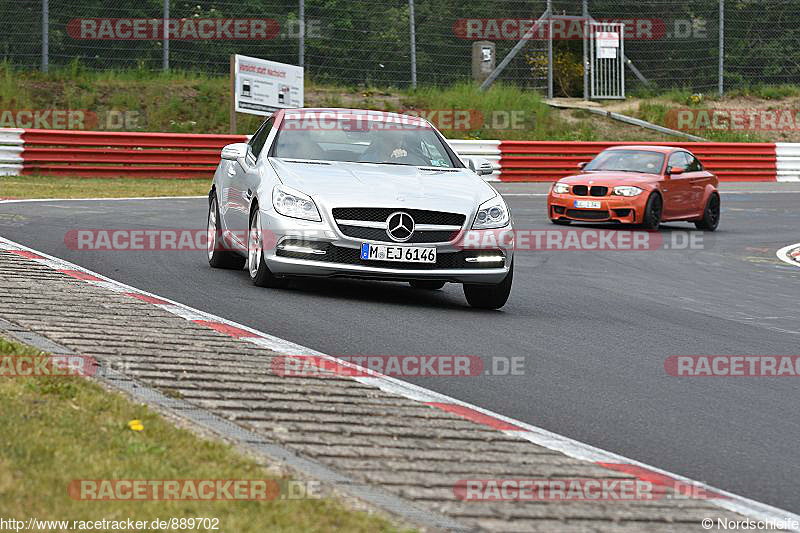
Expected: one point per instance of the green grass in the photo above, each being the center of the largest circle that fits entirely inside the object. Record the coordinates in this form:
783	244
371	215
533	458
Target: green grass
64	187
55	430
656	113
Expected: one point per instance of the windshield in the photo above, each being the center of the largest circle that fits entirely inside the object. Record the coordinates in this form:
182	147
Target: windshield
361	139
628	161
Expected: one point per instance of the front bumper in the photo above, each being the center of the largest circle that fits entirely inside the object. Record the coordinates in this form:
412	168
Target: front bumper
319	249
626	210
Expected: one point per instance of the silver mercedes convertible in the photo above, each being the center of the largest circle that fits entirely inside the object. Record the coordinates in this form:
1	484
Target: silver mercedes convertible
359	194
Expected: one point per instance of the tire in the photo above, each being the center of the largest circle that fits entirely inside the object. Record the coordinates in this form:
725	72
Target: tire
710	220
560	222
427	284
490	296
260	274
218	257
653	211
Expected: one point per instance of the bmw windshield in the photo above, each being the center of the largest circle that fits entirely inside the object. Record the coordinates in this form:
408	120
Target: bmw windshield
628	161
354	138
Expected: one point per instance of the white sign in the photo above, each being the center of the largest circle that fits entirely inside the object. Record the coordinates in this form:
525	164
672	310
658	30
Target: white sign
261	86
606	52
607	39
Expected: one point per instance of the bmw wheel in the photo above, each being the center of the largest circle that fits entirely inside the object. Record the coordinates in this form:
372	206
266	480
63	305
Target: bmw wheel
710	220
652	212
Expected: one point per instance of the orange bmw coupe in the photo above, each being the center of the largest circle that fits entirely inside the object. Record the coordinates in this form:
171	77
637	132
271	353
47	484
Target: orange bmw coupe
644	185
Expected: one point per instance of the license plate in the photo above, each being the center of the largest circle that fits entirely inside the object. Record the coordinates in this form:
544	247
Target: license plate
587	204
403	254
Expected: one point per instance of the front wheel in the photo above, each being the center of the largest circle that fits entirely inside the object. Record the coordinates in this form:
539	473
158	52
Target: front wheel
490	296
710	220
260	274
652	212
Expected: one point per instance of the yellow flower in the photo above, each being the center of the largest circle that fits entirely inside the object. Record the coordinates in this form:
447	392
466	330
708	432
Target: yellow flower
135	425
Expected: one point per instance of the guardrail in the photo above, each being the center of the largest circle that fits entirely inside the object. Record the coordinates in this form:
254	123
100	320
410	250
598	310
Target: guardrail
551	160
177	155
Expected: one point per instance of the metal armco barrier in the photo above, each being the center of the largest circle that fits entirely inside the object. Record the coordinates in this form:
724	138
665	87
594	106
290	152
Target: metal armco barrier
122	154
549	161
180	155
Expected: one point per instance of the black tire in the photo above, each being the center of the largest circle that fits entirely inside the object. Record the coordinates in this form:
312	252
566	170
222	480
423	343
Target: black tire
653	211
490	296
710	220
427	284
218	256
560	221
261	275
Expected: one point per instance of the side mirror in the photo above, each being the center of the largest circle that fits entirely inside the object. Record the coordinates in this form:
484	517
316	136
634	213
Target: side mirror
234	152
675	170
582	164
480	166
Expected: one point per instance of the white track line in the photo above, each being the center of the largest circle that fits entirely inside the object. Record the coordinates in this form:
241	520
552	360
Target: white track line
534	434
29	200
783	254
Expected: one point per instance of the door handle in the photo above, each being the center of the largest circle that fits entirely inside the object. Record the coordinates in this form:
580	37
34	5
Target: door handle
231	171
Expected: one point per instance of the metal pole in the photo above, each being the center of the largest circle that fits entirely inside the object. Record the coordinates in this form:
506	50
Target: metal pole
550	49
514	51
721	44
45	34
585	14
165	47
412	31
301	60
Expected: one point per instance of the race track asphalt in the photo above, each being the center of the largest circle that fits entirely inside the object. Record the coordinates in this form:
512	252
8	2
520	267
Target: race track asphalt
593	327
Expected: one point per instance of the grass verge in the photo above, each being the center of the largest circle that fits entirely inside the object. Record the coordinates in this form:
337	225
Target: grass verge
54	430
19	187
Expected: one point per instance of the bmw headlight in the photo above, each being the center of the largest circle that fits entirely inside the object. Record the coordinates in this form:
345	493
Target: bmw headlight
492	214
627	190
292	203
560	188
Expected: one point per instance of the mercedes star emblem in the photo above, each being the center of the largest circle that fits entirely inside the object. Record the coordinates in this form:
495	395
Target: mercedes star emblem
400	226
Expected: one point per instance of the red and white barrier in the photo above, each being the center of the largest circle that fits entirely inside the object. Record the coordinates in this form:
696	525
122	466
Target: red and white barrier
180	155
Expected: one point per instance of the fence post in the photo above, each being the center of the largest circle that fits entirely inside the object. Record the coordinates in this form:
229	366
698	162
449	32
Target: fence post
165	46
301	59
585	15
550	49
412	31
721	44
45	35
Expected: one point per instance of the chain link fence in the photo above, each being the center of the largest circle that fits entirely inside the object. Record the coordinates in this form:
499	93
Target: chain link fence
672	44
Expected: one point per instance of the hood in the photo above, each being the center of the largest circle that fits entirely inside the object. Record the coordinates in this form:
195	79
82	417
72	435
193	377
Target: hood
345	184
610	178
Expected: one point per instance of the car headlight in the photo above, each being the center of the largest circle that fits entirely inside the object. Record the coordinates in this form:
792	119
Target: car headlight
492	214
292	203
560	188
627	190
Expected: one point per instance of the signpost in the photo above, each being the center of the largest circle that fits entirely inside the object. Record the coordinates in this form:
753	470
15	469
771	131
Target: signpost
260	87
